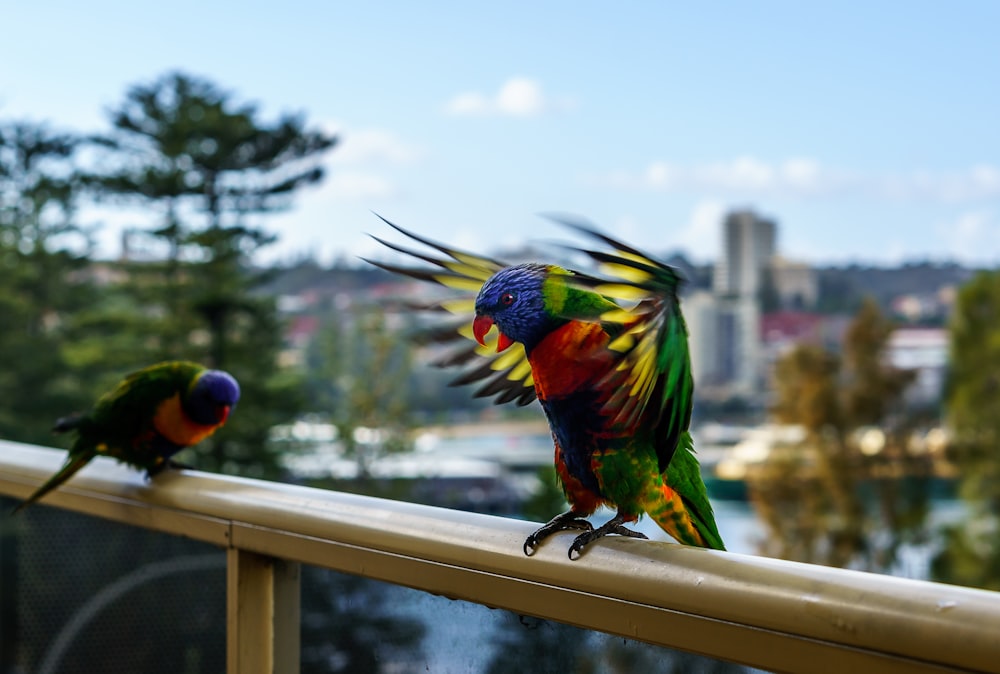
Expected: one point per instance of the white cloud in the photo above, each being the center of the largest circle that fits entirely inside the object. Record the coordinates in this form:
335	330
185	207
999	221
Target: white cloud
740	174
471	103
357	185
520	97
803	174
974	235
366	146
700	235
659	174
517	97
361	165
807	177
981	181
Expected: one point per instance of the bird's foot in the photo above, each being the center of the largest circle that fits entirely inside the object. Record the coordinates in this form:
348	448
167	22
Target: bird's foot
613	526
567	520
155	470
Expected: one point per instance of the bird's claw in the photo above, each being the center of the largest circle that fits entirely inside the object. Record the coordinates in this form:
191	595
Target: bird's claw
588	537
579	543
559	523
163	465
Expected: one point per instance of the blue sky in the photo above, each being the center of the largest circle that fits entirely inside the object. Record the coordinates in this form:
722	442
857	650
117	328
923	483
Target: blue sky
869	131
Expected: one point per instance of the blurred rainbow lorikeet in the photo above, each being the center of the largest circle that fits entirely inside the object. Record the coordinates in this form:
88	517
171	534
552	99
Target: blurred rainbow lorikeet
147	418
607	357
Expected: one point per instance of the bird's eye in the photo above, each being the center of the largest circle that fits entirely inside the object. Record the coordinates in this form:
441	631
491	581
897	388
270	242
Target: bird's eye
506	299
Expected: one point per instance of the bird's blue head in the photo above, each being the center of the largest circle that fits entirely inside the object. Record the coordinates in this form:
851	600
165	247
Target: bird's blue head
212	397
514	300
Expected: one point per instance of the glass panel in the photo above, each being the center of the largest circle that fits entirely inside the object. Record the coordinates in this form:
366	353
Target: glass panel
354	624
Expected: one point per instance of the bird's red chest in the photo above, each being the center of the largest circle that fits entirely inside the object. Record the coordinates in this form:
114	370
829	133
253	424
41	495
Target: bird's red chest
571	358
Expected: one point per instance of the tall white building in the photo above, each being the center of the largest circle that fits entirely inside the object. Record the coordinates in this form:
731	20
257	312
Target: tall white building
748	246
733	356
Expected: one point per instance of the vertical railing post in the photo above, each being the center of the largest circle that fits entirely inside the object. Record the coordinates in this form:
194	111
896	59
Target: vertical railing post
262	614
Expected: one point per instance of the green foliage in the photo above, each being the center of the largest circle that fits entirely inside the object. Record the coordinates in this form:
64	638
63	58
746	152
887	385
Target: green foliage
359	372
974	385
815	496
43	281
972	552
807	389
873	388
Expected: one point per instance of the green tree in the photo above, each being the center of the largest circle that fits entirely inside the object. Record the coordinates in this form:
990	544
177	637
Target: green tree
206	167
972	552
43	280
813	494
873	388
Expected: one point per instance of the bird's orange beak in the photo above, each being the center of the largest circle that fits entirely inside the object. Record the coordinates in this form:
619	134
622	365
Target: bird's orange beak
223	413
481	326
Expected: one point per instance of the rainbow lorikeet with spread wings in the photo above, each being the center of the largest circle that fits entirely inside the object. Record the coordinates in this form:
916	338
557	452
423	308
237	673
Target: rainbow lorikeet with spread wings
151	415
607	358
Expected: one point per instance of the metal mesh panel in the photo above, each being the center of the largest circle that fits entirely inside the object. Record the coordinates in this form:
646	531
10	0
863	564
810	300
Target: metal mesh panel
81	594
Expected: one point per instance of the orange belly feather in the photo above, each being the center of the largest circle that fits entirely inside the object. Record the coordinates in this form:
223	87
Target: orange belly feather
171	422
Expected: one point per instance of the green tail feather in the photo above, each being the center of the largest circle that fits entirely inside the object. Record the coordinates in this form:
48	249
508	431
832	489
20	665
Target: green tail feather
684	477
73	464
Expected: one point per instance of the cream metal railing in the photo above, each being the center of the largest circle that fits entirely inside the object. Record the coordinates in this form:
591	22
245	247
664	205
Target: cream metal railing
777	615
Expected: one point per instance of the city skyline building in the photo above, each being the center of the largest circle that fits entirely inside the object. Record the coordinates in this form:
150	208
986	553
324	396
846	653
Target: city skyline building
749	243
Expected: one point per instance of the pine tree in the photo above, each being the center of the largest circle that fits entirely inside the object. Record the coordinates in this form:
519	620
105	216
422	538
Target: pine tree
43	280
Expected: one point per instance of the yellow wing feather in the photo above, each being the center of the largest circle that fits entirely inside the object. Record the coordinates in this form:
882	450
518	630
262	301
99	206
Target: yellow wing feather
506	375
